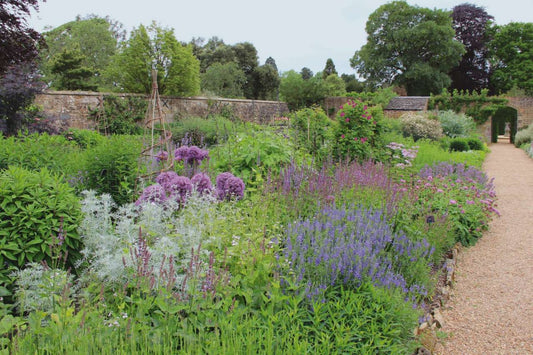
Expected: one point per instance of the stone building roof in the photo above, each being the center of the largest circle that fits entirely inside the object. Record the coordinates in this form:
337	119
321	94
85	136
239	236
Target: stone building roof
408	103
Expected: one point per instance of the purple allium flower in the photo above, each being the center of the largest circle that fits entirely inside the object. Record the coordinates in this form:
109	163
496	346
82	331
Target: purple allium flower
154	193
182	153
166	179
202	183
196	155
181	187
229	186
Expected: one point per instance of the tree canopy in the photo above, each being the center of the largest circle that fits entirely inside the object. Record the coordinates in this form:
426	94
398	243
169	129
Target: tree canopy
408	46
18	43
154	47
512	57
94	38
471	24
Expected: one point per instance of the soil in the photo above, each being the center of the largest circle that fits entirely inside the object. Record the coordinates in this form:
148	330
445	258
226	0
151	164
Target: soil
491	306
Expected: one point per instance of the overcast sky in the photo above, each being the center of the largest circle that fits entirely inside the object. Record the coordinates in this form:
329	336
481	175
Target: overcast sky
296	33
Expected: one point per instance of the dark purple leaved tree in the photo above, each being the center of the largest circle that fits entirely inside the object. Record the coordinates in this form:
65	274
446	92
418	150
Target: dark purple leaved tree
470	23
19	48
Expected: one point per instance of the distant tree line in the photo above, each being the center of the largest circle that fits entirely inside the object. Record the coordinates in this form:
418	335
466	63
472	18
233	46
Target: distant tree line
418	49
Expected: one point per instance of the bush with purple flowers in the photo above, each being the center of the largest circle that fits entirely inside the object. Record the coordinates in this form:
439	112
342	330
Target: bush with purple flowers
350	246
192	157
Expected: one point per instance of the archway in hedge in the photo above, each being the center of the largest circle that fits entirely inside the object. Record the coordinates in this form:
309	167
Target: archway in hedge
502	117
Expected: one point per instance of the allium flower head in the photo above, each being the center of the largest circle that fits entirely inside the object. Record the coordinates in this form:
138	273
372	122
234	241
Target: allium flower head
228	187
166	179
202	183
154	193
181	187
182	153
196	155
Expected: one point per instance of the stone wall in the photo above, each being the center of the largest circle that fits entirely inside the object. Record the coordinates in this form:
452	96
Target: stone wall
74	107
524	108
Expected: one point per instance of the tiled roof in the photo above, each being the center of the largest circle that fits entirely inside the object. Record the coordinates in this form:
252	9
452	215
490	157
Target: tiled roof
408	103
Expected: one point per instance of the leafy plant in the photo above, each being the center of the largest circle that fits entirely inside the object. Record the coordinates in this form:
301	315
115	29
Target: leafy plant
459	145
456	124
39	217
120	115
84	138
202	131
524	136
312	129
112	167
252	156
358	131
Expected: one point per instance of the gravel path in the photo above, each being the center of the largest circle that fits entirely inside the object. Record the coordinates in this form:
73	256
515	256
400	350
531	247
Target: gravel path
491	308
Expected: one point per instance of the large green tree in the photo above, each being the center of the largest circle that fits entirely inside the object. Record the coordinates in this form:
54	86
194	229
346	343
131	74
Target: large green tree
94	37
299	92
512	57
408	46
224	80
154	47
71	74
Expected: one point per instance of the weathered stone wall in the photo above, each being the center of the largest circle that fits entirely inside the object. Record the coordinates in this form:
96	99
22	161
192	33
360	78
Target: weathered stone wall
74	107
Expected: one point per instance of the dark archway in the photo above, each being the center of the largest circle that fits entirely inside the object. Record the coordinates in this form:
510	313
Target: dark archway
500	118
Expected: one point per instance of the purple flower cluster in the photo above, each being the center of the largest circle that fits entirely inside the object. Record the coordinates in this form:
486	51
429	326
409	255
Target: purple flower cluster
190	155
350	246
300	181
168	186
202	183
229	187
171	186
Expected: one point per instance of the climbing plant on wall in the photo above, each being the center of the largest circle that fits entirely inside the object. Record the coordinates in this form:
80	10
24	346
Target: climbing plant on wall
480	106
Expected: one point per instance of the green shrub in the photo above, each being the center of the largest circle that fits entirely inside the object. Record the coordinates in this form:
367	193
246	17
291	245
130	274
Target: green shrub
420	126
475	143
39	217
112	167
358	133
252	156
311	128
456	124
84	138
202	131
459	145
38	151
524	136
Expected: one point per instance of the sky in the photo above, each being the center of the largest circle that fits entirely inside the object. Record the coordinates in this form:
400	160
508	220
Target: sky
296	33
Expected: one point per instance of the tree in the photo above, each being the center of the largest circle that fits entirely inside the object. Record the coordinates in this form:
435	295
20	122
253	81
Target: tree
408	46
352	84
329	69
94	37
299	93
72	75
334	86
512	57
214	51
265	82
270	61
471	24
247	59
18	43
18	86
178	71
224	80
306	73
